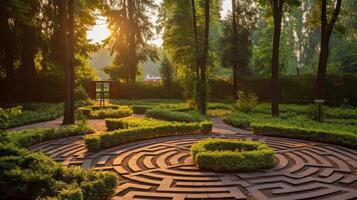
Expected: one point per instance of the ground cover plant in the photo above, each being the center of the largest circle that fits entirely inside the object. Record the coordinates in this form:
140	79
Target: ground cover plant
134	129
110	111
226	155
30	113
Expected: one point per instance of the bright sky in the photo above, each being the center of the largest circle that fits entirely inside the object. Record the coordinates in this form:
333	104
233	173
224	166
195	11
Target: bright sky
100	31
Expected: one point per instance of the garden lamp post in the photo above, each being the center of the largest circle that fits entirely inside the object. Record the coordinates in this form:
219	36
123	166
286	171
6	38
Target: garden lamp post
319	103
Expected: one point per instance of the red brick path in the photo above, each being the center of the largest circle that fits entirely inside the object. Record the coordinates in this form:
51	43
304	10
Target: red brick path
163	169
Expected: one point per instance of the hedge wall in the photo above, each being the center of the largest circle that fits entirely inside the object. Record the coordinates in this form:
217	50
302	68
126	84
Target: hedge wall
294	89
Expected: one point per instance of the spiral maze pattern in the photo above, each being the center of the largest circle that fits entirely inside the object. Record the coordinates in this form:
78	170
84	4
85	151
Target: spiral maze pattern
163	169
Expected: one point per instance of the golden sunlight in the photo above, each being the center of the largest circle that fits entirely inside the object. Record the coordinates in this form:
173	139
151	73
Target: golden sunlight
100	31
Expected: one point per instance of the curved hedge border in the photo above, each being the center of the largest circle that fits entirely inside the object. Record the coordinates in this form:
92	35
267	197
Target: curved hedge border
98	112
333	137
223	155
130	130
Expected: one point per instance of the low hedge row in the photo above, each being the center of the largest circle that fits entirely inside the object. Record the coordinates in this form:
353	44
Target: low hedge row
169	115
141	109
223	155
113	111
319	135
29	137
125	123
132	132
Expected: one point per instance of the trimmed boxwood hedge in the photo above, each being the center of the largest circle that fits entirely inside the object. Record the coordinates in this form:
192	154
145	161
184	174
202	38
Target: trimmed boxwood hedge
226	155
141	109
132	129
319	135
29	137
169	115
98	112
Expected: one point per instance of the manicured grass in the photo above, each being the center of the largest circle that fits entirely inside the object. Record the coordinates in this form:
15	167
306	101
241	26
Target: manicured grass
227	155
132	129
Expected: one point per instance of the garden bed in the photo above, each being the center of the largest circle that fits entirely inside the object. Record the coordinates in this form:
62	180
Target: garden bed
223	155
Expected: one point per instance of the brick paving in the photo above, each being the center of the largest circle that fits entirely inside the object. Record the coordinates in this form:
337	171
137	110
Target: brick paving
162	168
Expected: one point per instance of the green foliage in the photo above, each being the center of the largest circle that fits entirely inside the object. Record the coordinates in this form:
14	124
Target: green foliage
28	137
225	155
246	102
140	109
169	115
126	123
29	175
111	111
318	134
167	73
31	113
71	193
295	121
132	129
129	44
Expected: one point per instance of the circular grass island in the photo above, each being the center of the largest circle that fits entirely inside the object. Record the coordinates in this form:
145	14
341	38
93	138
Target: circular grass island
227	155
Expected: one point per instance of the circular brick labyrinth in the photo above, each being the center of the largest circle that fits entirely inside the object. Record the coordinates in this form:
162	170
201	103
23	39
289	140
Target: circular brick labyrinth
163	169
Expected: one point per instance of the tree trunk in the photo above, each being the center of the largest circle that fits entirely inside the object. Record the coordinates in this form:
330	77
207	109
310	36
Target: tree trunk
275	87
132	40
6	39
198	55
28	39
203	65
64	23
326	31
27	69
234	50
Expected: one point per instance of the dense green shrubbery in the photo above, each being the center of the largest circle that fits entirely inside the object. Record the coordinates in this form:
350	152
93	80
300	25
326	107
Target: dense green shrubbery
28	137
225	155
318	133
111	111
31	113
170	115
25	175
246	102
133	129
141	109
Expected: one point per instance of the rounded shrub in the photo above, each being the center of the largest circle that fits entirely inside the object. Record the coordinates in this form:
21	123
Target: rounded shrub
223	155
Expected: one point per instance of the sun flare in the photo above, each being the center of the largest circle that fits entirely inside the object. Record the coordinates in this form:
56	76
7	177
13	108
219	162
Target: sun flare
100	31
